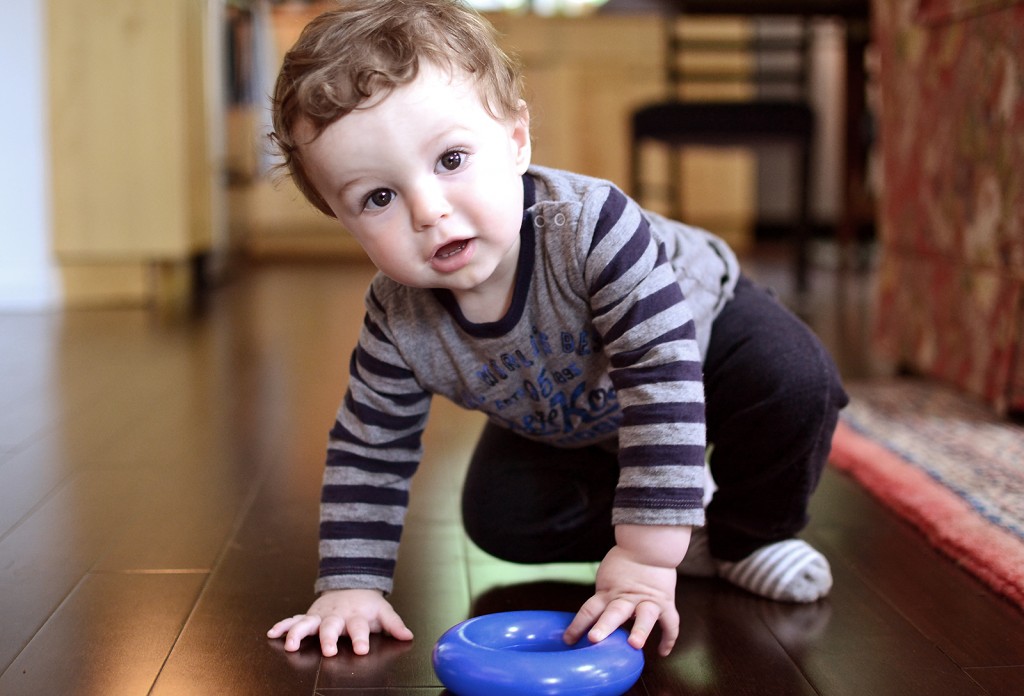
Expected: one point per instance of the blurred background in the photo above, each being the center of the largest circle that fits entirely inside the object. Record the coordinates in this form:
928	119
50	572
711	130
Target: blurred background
139	171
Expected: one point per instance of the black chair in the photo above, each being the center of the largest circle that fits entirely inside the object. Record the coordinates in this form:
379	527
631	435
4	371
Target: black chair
732	83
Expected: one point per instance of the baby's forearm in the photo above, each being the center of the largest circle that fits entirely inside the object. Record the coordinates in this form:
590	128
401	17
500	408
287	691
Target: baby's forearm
654	545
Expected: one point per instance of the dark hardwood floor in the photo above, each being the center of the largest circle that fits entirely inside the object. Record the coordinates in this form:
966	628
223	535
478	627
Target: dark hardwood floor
158	512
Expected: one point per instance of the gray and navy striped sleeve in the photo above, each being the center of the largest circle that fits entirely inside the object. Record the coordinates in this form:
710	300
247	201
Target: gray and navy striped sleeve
373	451
655	365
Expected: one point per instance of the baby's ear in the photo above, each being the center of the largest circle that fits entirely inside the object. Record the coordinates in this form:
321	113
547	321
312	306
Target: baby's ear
521	137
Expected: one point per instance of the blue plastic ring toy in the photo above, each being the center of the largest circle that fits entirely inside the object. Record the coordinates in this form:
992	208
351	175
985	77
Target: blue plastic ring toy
521	653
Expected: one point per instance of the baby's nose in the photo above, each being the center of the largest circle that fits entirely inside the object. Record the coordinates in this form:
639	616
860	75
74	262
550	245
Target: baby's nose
428	207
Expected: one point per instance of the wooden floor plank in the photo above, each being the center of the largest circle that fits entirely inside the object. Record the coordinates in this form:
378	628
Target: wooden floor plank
24	419
27	348
725	648
882	651
950	607
180	519
47	554
110	637
263	575
865	647
27	478
1000	681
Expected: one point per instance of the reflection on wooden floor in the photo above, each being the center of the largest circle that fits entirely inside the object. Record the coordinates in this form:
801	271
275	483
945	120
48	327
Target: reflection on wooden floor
158	512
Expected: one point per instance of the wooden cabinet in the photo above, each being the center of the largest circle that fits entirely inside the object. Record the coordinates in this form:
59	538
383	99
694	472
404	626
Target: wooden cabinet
133	144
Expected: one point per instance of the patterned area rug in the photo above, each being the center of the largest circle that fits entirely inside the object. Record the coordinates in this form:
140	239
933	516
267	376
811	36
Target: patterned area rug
948	466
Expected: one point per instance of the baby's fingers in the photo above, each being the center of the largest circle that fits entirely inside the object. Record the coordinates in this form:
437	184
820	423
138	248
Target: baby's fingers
305	626
647	614
283	626
391	622
584	619
615	614
669	631
330	630
359	633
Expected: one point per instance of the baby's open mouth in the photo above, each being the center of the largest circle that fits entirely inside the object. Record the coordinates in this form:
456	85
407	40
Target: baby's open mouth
451	249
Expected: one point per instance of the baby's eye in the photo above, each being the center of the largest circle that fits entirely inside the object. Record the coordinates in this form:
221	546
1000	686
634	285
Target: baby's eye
380	198
451	160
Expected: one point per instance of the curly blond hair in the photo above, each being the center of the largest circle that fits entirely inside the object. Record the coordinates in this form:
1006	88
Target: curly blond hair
366	48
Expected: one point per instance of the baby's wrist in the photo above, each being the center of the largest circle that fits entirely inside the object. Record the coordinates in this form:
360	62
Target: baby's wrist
653	545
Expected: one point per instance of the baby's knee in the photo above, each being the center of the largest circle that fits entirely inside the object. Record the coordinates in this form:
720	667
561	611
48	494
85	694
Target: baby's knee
576	529
494	541
808	382
483	529
494	527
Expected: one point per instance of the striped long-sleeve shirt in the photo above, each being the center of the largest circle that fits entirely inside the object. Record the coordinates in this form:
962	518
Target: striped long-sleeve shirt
603	343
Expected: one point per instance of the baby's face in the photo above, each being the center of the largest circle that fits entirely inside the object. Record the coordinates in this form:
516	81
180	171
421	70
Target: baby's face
428	182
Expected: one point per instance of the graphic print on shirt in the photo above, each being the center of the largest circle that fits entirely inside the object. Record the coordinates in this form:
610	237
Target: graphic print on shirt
547	378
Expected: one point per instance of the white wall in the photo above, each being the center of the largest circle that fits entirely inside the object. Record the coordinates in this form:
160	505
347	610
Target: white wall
28	275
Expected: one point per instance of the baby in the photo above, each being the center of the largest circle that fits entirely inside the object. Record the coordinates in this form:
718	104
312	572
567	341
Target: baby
608	346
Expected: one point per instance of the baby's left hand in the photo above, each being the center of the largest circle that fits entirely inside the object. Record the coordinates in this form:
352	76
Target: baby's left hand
626	587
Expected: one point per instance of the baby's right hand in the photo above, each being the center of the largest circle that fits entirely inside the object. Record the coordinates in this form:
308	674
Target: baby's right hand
356	613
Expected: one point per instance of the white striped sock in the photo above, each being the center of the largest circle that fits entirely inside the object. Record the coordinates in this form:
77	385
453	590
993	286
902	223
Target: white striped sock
788	571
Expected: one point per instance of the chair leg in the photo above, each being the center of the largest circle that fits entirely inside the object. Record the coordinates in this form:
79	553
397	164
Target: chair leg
635	183
802	237
675	183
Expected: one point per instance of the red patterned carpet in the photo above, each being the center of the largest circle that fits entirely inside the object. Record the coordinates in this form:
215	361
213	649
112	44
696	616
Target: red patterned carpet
948	466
